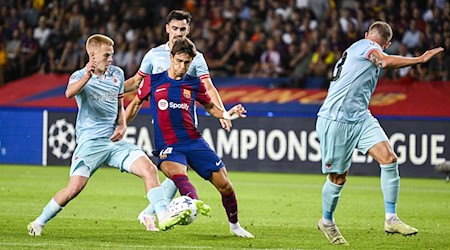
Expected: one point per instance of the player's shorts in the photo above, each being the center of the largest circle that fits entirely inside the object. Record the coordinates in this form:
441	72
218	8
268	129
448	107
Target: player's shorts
339	139
197	153
91	154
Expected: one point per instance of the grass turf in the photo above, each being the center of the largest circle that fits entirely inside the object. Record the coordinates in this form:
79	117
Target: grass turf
281	210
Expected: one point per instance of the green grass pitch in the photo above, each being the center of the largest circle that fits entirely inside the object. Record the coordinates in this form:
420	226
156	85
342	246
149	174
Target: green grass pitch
281	210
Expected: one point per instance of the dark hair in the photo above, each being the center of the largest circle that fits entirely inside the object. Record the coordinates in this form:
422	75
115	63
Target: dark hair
179	15
183	45
383	29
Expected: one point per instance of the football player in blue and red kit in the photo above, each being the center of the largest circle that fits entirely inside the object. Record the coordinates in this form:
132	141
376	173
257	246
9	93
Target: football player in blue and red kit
172	95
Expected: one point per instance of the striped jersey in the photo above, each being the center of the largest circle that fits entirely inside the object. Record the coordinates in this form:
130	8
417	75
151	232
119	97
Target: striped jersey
157	60
172	105
98	103
354	81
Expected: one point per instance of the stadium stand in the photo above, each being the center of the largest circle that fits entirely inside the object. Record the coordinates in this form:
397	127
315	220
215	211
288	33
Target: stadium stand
304	37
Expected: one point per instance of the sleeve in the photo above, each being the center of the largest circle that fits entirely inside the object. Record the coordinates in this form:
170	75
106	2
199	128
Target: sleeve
121	79
201	68
77	75
371	48
146	65
144	89
202	95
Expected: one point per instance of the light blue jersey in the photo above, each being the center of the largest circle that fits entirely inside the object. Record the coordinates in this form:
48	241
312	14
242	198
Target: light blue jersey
157	60
354	81
98	103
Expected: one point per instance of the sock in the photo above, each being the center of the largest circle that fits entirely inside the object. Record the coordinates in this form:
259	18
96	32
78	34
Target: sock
156	197
169	189
390	185
184	185
230	204
50	210
330	197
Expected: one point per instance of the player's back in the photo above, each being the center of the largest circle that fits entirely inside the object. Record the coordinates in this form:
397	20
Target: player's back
98	103
173	109
157	60
353	83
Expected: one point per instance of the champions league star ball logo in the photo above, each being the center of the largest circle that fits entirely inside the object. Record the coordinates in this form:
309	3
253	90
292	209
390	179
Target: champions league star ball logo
61	139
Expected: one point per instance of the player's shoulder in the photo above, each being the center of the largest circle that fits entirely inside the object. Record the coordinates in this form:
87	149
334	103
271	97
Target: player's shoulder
78	73
113	69
158	76
191	78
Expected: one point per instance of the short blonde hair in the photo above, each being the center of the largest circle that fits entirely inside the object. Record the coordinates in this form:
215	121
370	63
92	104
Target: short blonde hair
97	40
383	29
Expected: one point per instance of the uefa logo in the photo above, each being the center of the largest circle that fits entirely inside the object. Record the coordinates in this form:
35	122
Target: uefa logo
61	139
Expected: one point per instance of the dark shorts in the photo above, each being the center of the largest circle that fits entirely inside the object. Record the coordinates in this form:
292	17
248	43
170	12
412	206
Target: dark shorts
195	153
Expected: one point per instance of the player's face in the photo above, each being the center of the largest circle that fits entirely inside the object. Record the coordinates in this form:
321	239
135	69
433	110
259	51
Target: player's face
177	29
180	63
103	57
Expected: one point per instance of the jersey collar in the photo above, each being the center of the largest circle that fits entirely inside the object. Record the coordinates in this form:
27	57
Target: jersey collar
166	46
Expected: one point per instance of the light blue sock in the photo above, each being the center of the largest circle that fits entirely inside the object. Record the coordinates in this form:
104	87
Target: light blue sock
330	197
170	190
50	210
157	199
390	185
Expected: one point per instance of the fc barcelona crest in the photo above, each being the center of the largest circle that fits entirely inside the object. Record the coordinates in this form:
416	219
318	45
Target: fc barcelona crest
187	93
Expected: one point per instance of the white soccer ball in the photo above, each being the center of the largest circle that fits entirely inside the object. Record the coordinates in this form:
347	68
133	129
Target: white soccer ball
183	203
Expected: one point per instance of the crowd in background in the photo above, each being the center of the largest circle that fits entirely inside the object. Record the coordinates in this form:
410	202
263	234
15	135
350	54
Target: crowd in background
297	39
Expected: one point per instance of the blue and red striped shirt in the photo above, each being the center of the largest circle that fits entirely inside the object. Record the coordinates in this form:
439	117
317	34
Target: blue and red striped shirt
172	105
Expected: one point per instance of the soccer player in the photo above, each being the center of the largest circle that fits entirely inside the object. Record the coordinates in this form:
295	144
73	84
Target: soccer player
345	123
156	61
100	126
172	94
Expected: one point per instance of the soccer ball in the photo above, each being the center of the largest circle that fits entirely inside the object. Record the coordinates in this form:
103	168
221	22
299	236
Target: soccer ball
183	203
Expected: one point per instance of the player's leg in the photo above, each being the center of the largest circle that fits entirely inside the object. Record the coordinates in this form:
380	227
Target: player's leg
337	141
128	157
177	172
375	142
76	183
390	185
210	167
220	180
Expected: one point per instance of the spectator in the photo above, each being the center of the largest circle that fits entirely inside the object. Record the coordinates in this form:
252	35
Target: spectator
70	57
28	53
322	60
300	63
412	36
270	60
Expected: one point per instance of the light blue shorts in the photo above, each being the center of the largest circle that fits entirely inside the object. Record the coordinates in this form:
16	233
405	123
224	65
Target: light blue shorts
90	155
339	139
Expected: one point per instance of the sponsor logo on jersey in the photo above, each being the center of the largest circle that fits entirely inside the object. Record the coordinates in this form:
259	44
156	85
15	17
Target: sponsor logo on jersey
174	105
162	104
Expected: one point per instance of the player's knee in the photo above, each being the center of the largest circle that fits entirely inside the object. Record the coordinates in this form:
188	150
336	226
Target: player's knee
226	188
389	158
148	171
338	179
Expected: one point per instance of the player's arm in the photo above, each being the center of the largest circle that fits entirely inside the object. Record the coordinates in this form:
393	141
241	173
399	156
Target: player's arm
75	87
121	128
238	111
133	109
212	91
383	60
133	83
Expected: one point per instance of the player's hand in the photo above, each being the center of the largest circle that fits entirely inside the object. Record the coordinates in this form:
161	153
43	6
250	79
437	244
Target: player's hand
91	65
226	124
238	111
118	134
430	53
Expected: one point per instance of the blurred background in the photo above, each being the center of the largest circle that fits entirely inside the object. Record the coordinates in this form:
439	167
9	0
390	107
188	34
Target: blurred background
297	39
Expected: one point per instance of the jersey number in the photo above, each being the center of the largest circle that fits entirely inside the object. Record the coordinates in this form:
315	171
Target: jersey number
339	65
